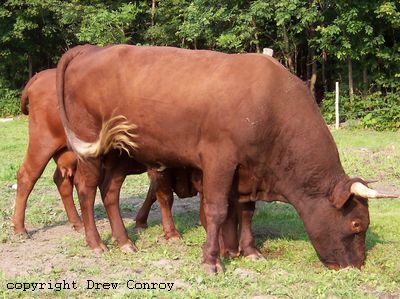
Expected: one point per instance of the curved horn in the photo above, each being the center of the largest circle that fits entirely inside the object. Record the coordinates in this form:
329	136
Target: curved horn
360	189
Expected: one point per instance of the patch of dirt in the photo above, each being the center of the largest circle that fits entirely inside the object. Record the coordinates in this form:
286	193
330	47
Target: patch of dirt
7	119
385	187
45	253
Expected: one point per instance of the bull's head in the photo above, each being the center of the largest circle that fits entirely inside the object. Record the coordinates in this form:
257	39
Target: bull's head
337	226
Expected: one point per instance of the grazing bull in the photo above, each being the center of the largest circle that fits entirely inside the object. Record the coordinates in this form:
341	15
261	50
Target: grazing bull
251	127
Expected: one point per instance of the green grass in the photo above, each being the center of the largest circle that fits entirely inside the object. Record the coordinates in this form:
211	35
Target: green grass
290	269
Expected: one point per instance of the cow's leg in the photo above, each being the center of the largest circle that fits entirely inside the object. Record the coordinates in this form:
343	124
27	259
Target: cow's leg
65	188
110	191
247	245
228	236
36	159
86	180
165	198
143	214
217	182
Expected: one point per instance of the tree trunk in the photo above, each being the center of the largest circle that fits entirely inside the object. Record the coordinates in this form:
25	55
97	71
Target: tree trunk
258	49
153	12
365	79
323	72
350	74
288	58
313	78
30	66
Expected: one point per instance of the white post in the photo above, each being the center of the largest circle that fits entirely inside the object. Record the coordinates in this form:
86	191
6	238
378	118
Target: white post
337	105
268	51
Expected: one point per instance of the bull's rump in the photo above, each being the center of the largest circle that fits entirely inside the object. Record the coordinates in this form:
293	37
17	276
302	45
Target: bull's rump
181	100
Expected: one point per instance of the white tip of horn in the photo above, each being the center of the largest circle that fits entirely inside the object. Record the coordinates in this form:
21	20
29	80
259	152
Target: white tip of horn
363	191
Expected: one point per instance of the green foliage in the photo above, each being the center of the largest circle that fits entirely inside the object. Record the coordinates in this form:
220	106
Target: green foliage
102	26
376	111
313	39
9	102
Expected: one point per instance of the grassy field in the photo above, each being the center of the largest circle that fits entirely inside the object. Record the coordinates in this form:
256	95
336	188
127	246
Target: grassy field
290	269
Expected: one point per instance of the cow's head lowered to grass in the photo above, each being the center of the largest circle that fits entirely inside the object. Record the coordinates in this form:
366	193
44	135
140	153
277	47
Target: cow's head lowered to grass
338	231
337	227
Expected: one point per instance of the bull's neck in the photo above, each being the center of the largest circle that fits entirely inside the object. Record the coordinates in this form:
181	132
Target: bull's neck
306	163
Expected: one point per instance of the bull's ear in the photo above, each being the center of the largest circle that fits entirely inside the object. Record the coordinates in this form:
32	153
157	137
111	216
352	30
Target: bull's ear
340	195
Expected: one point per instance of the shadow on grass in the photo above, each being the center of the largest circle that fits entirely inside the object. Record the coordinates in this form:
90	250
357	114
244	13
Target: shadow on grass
271	221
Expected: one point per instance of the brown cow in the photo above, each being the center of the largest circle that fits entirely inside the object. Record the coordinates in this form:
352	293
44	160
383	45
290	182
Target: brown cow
246	122
45	124
46	140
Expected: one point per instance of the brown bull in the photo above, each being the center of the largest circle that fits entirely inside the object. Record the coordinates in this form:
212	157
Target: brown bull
47	140
251	127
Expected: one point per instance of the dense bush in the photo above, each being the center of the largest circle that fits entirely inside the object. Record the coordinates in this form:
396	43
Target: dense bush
9	102
376	111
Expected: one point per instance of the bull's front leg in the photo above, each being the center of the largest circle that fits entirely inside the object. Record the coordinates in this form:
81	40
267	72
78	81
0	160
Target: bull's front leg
217	183
86	180
228	235
247	245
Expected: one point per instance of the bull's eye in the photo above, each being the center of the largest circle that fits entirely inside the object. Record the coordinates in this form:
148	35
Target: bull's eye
356	226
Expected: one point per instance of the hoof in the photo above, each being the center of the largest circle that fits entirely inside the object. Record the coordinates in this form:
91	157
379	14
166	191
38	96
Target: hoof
23	235
255	257
128	248
173	236
141	225
214	269
139	229
100	250
78	228
231	253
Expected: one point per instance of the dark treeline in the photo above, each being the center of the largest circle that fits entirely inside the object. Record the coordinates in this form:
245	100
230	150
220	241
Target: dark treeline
351	41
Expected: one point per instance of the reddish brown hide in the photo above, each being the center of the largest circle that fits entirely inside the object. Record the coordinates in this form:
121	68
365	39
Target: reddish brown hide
241	114
47	140
186	182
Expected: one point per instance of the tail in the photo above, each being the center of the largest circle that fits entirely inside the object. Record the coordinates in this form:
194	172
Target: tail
116	133
24	102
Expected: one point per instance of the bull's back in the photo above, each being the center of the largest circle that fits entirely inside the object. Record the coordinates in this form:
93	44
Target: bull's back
185	99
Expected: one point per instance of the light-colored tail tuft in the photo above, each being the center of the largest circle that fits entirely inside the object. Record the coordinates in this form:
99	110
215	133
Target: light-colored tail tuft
116	133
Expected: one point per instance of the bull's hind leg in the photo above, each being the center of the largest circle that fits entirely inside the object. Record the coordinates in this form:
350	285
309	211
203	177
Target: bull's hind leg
217	183
86	180
247	245
163	189
110	190
65	188
36	159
